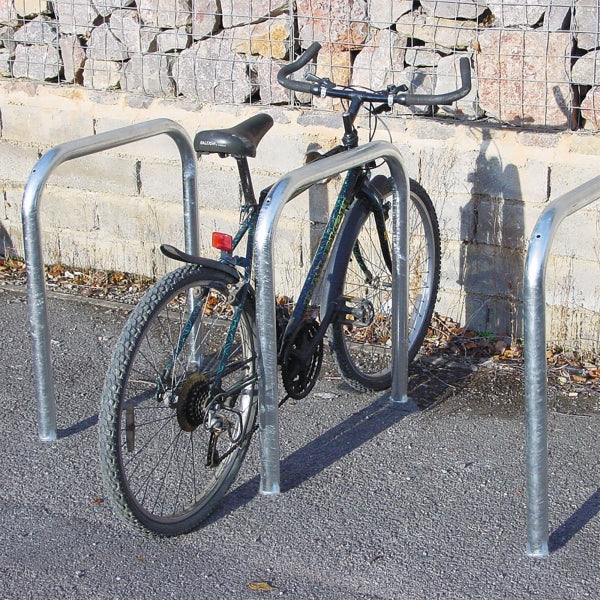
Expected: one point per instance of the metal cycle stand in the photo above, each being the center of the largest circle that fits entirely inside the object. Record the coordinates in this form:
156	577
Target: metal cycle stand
536	409
36	290
282	192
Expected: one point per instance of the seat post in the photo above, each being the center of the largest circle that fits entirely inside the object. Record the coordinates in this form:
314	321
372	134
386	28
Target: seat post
245	179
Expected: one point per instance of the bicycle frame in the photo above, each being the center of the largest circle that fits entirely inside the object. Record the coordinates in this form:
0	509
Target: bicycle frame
354	188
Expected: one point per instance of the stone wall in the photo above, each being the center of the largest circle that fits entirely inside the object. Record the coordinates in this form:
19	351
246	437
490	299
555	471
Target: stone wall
534	64
488	184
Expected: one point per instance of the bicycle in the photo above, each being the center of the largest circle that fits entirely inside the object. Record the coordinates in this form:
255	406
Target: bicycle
179	402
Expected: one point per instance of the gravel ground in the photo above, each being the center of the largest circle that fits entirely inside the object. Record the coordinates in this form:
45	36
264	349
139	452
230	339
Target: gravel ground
378	502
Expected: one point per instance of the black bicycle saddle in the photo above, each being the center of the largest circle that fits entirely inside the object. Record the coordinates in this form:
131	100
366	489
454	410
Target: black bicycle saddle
240	140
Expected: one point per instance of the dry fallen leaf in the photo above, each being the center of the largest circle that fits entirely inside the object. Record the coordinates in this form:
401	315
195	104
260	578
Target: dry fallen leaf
261	586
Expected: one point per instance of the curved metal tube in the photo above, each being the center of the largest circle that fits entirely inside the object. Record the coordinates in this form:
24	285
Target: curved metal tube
282	192
36	289
536	410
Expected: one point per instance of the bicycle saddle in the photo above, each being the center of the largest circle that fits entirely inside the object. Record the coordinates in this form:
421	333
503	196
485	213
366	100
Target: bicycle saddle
240	140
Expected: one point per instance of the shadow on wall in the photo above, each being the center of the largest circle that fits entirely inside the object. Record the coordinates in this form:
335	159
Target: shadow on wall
493	249
6	245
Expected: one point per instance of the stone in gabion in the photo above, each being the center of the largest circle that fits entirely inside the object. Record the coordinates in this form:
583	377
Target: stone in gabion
205	18
376	64
101	74
520	84
418	81
266	78
29	8
447	80
243	12
586	24
8	14
107	7
336	65
453	9
590	109
586	70
75	16
269	38
383	13
5	62
39	62
167	14
422	56
172	39
340	22
210	72
7	38
125	25
512	14
40	30
556	15
445	34
73	56
104	45
148	74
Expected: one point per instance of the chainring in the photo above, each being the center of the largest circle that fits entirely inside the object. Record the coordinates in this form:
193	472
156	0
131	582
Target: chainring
299	372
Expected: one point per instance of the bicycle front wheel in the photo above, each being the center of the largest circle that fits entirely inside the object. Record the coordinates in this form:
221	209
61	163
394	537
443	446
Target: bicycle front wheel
176	419
360	341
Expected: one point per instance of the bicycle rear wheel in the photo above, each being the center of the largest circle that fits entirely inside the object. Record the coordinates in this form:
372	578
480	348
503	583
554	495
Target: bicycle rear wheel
360	342
171	441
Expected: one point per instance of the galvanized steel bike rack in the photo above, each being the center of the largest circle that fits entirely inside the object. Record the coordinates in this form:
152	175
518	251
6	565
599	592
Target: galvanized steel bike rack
536	410
38	316
283	191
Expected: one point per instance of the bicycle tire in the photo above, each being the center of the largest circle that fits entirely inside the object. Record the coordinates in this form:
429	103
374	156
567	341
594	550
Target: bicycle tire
154	440
363	354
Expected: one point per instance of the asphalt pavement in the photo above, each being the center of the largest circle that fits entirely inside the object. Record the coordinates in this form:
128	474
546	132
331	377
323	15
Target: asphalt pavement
378	503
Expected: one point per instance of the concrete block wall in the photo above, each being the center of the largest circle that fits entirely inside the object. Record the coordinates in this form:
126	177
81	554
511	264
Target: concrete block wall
488	183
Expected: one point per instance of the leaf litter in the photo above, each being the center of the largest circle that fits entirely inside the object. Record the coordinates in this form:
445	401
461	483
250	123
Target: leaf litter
449	355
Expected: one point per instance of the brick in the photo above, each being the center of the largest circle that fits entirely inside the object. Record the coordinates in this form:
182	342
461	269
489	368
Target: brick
577	237
448	171
572	327
564	176
99	172
214	188
16	162
50	128
573	282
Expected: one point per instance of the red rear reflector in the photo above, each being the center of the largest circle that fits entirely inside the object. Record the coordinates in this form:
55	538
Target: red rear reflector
222	241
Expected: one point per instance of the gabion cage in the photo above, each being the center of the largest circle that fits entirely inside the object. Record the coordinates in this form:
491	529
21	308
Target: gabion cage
534	63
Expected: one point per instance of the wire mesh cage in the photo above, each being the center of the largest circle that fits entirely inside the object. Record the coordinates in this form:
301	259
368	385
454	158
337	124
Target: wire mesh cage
534	62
